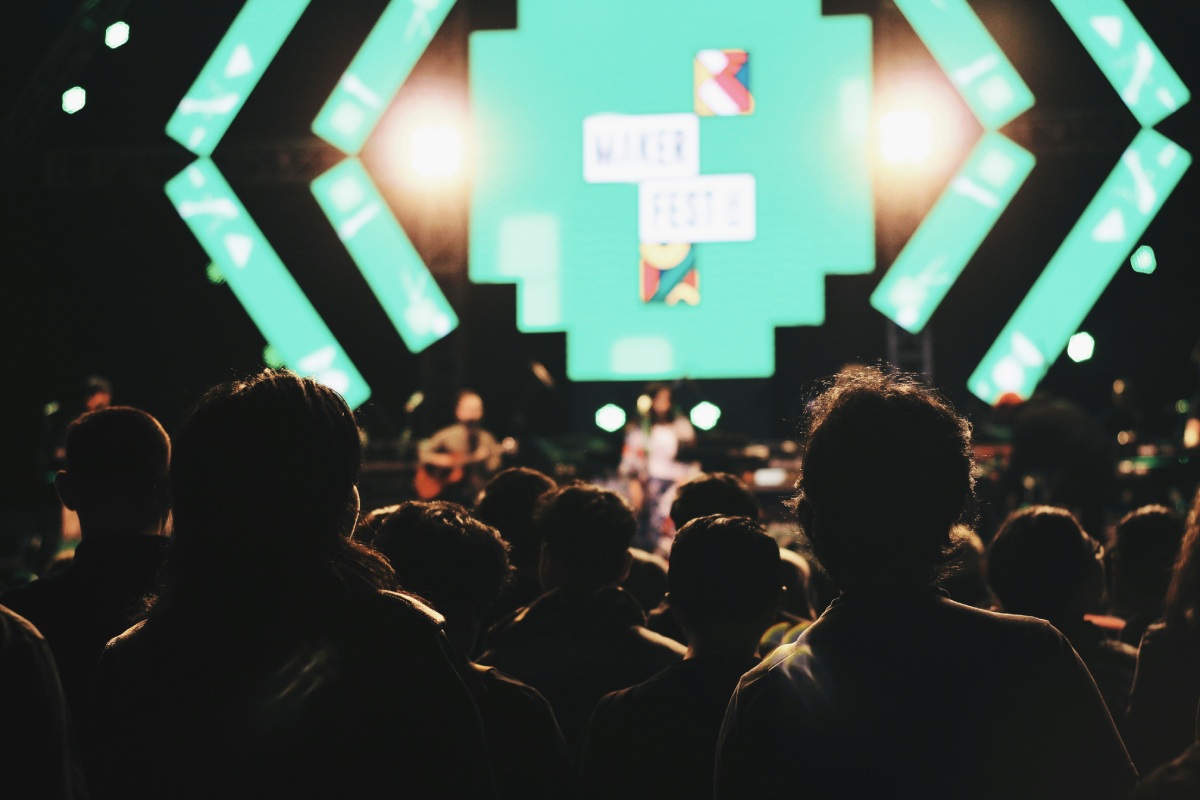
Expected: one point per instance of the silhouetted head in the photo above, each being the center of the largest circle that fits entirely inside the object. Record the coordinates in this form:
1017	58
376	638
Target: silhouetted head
724	568
1043	564
964	576
1145	548
441	553
507	503
263	482
116	471
713	493
886	471
585	533
1183	595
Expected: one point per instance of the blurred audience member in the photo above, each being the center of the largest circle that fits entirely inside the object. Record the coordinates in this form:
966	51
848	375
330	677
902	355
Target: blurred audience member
896	690
459	565
658	739
38	757
964	576
507	503
115	479
1145	547
586	635
1160	722
1041	563
274	662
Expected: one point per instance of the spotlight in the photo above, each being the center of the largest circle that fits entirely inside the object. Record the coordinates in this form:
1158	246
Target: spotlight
1080	347
436	151
74	99
116	35
906	135
705	415
610	417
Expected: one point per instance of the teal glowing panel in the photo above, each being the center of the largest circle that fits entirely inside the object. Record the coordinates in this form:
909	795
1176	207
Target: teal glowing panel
947	239
232	72
667	182
1084	265
378	71
967	53
263	285
393	268
1129	58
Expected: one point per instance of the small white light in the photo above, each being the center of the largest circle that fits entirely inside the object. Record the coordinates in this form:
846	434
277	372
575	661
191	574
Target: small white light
610	417
74	99
116	35
705	415
1080	347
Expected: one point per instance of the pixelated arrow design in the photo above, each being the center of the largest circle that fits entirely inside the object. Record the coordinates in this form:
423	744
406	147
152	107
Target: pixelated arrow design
938	252
350	199
1088	259
212	211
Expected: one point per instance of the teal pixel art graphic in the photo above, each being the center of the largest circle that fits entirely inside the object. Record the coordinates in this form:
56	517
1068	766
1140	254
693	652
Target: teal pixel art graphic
589	147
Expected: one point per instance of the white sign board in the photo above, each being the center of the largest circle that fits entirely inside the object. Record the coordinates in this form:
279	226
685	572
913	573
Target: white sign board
707	208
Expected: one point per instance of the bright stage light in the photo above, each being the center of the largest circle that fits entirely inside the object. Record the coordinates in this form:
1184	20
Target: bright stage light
1080	347
610	417
705	415
436	151
906	135
116	35
74	99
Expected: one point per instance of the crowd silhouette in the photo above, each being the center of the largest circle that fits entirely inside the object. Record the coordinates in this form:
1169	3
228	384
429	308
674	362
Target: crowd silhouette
234	624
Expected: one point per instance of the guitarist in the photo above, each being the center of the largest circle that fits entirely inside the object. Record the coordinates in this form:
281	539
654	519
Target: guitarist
456	461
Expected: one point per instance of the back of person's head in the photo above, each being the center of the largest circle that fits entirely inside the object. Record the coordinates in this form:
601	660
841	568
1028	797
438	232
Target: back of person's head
263	484
586	532
964	577
713	493
724	568
1182	611
1043	564
441	553
886	472
508	502
116	469
1145	547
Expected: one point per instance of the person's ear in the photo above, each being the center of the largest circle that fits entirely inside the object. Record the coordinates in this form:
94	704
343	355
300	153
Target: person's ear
65	489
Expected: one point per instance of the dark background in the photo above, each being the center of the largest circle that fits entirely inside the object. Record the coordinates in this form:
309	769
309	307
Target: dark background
102	276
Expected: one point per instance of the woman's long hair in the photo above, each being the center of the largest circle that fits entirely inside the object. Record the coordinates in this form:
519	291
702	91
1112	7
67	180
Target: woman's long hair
262	480
1183	596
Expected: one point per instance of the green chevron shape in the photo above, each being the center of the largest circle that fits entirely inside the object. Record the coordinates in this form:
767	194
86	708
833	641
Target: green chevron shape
946	240
969	55
1082	268
1127	56
260	281
387	259
378	70
1117	216
938	252
231	73
208	205
352	203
